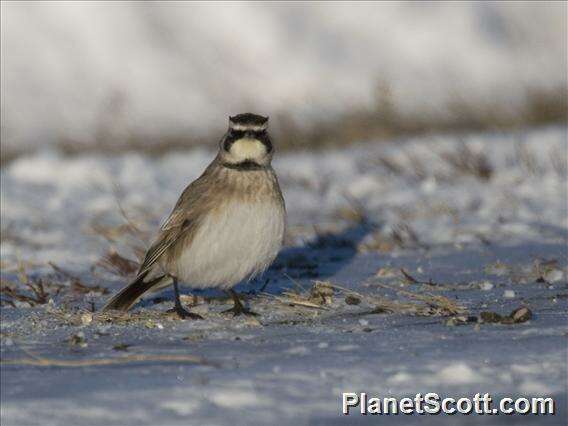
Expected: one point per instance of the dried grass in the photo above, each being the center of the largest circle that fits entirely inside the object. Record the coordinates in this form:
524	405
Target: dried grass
527	160
30	289
35	290
381	122
319	295
459	162
129	234
402	235
118	265
465	161
321	298
40	361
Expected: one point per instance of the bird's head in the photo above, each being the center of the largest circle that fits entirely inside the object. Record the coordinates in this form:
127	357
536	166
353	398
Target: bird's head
246	143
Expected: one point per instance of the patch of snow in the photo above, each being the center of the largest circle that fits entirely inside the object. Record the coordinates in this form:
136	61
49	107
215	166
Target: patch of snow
290	365
459	374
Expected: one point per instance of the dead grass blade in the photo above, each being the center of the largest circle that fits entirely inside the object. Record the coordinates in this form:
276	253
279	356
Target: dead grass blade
116	264
317	297
32	290
413	280
291	298
465	161
127	359
443	304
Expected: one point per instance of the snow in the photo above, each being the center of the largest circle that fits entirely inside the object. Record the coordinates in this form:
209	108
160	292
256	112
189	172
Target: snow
478	239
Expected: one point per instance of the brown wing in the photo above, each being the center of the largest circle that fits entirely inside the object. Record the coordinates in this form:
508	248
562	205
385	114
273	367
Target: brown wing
190	207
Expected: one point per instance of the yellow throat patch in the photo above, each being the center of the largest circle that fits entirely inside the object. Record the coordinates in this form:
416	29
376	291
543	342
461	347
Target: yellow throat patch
247	148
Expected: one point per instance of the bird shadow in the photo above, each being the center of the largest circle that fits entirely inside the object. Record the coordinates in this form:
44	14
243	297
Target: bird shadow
318	258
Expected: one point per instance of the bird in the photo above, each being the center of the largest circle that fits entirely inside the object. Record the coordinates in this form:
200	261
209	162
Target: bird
226	227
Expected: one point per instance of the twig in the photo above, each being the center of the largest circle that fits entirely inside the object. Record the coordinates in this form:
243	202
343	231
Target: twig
346	290
296	283
261	290
413	280
63	272
295	301
133	228
50	362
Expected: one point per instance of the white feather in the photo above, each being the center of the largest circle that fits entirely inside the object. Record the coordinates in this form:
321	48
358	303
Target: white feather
238	242
247	149
252	127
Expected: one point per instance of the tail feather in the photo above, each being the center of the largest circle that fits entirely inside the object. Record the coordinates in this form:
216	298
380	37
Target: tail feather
129	295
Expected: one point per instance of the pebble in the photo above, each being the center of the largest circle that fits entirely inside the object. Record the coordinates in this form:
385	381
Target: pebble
554	275
521	314
86	318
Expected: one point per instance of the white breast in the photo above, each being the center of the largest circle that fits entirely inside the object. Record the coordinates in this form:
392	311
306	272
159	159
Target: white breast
239	241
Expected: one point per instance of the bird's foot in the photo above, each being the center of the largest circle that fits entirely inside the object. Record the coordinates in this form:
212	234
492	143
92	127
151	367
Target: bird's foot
185	314
239	309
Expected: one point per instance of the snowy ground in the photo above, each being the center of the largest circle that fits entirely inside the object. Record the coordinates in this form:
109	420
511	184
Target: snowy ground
481	225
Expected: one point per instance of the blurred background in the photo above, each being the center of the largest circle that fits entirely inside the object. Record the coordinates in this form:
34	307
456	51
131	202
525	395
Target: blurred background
422	153
114	76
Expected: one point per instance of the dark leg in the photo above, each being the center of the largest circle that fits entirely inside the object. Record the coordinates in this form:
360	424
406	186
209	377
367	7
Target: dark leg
238	308
179	309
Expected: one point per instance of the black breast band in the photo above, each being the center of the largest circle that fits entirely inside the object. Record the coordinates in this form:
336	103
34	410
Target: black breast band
246	165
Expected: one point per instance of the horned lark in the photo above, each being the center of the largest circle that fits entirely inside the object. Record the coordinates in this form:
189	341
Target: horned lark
227	225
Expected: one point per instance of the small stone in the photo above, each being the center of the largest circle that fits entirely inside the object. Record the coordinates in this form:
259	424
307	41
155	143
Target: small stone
460	320
490	317
86	318
121	347
252	321
485	285
509	294
452	322
554	275
522	314
386	272
498	268
201	309
103	330
78	340
321	293
352	300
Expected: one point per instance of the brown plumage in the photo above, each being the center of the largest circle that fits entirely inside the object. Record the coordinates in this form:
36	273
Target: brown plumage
218	219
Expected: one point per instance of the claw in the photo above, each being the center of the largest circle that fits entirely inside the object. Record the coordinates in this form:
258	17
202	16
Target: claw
240	310
185	314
